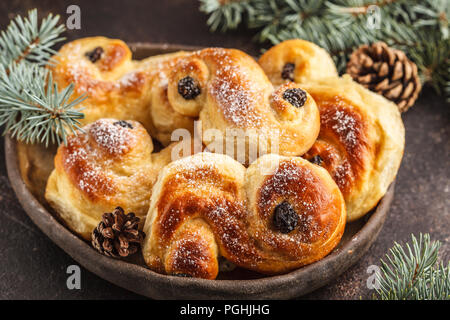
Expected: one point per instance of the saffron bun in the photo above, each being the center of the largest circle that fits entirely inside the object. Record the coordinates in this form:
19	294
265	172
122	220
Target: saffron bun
238	102
117	86
223	88
362	137
277	215
110	164
297	60
361	141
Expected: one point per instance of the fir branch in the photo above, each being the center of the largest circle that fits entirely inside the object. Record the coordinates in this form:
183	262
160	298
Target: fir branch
270	15
224	14
412	273
340	26
435	14
339	42
32	108
25	39
432	56
435	286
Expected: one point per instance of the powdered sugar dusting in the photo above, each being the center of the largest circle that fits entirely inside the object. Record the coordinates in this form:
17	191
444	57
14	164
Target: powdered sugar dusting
115	139
348	130
342	174
93	180
197	188
130	80
344	124
85	155
235	91
191	255
201	165
298	186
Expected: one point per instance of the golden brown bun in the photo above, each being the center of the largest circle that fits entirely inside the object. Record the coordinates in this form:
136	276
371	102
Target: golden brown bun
362	136
209	205
309	61
236	94
111	164
361	141
117	86
233	93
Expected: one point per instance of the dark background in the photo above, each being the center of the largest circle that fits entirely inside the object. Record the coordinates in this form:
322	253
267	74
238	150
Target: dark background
32	267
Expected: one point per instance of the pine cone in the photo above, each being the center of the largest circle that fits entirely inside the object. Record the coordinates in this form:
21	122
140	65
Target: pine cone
386	71
117	235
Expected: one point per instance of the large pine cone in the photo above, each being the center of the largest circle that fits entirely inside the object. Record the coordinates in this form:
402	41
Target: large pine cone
386	71
117	235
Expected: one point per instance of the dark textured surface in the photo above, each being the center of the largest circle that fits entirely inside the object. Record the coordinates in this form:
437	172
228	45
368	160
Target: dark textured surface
32	267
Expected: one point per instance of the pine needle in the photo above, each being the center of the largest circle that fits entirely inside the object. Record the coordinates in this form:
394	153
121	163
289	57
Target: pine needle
25	39
224	15
32	108
340	26
412	272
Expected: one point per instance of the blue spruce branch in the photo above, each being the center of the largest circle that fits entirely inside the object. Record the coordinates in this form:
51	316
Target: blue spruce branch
32	107
340	26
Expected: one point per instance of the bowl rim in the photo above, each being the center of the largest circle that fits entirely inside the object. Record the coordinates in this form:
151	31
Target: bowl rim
146	282
87	256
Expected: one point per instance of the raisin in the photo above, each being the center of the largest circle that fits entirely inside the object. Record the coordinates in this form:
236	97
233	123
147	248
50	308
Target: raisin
295	96
288	71
285	219
95	54
188	88
123	124
316	160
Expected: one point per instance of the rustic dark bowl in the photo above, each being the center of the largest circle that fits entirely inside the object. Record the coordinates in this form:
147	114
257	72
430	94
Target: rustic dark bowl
135	277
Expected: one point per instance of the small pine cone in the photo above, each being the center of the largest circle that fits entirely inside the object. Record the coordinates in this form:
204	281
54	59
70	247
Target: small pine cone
386	71
117	235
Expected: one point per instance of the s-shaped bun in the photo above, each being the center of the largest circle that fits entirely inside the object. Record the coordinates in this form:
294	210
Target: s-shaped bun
361	141
235	97
297	60
361	137
110	164
117	86
279	214
224	88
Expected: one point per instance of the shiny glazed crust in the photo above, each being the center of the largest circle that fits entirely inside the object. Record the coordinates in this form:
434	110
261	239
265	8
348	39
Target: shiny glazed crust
117	86
362	136
235	96
209	205
361	141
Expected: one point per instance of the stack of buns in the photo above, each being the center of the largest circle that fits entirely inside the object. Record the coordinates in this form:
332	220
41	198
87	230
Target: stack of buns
288	152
